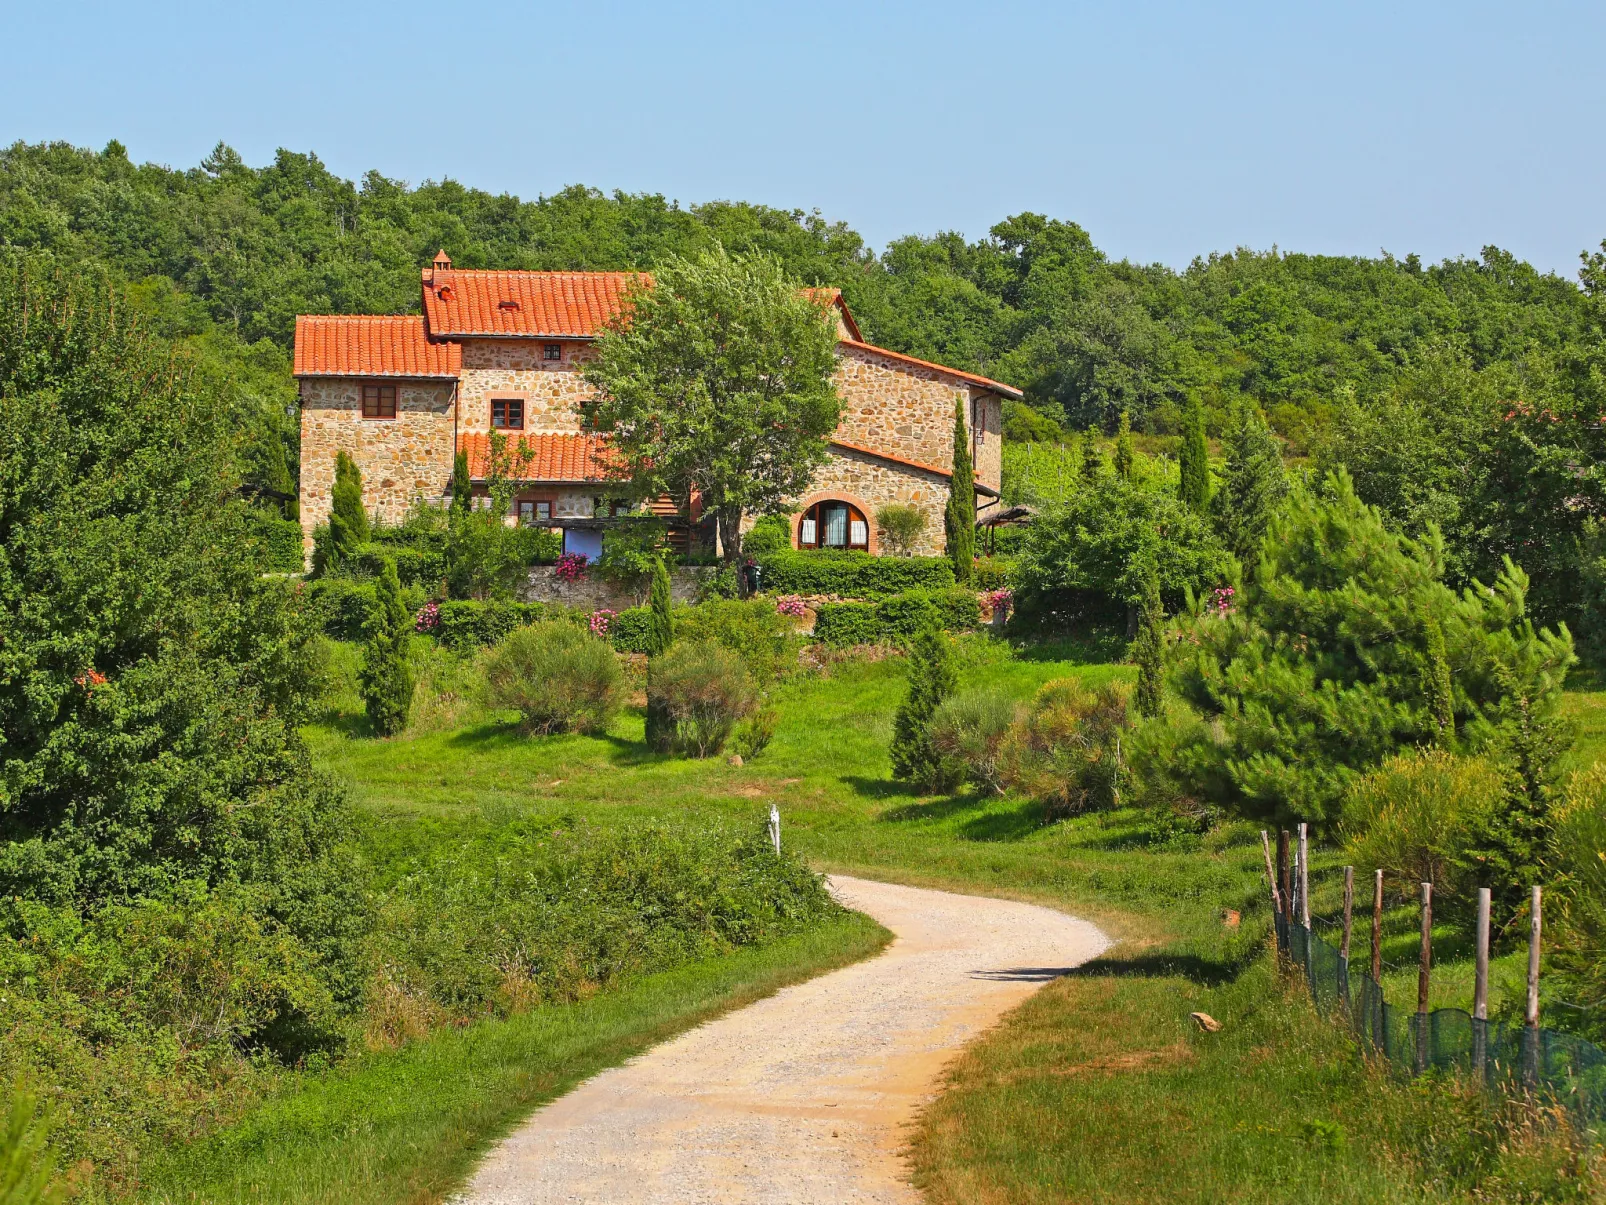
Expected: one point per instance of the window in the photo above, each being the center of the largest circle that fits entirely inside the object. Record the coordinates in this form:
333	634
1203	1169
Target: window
552	351
534	512
833	525
379	401
507	413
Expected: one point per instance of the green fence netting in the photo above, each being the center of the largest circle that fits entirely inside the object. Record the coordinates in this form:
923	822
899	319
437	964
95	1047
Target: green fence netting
1559	1066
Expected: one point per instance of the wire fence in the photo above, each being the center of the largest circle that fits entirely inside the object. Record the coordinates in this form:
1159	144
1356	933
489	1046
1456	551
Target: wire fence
1561	1067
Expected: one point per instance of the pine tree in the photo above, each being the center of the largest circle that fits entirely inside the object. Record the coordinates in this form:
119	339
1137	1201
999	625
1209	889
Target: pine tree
1093	464
661	634
1124	458
960	518
1194	457
933	677
1148	650
386	677
1440	693
1254	487
462	486
348	521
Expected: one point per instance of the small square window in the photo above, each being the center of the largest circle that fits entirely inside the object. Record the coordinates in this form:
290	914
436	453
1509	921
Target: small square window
552	351
507	413
379	401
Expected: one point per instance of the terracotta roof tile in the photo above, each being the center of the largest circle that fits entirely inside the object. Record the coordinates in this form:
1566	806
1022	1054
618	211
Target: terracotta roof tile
557	305
550	457
347	345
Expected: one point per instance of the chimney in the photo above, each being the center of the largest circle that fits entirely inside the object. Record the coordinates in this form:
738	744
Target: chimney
443	263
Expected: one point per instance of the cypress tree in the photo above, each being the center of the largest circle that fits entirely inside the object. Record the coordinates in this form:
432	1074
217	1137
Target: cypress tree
1194	457
462	486
1148	650
348	521
1123	449
1092	459
933	677
280	478
1254	486
1441	698
386	677
960	518
661	634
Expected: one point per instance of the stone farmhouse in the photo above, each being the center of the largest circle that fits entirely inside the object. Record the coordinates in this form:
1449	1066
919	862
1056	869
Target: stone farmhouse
502	351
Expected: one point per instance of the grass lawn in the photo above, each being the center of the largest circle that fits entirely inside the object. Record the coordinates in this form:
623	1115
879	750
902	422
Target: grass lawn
1100	1089
407	1126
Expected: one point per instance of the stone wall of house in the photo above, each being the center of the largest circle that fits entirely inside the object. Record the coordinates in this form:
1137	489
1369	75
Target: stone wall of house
552	389
906	410
401	458
871	483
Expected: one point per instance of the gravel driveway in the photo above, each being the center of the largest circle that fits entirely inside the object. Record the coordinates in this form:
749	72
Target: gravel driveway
803	1096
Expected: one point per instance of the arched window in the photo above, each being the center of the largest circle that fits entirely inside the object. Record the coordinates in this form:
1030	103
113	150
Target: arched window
833	524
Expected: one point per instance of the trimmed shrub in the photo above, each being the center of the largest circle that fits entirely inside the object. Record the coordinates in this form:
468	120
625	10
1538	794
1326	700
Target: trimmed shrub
972	728
706	690
633	630
851	574
557	676
752	629
467	623
345	609
901	527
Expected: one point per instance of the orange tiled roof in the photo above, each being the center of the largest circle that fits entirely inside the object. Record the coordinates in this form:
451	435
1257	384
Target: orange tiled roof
995	386
348	345
558	305
550	457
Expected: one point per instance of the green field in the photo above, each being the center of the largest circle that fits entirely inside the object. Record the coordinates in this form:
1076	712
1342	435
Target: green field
1100	1089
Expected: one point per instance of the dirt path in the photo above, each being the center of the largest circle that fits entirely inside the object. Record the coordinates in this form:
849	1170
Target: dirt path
802	1097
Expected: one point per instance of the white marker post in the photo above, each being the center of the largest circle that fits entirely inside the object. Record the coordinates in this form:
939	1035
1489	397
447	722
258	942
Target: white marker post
775	829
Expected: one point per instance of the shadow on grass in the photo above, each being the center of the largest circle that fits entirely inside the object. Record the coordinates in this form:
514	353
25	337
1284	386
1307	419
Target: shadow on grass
866	787
931	809
1206	972
1010	825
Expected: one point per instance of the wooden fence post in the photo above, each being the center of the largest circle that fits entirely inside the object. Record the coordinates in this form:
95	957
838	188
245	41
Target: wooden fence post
1282	872
1422	979
1530	1033
1271	874
1379	1034
1480	988
1304	879
1343	950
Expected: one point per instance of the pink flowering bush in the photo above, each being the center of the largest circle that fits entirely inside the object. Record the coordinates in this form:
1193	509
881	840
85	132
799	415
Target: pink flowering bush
999	599
790	604
1220	601
571	566
429	617
602	621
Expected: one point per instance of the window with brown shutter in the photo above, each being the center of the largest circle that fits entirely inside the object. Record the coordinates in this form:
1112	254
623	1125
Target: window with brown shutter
379	401
507	413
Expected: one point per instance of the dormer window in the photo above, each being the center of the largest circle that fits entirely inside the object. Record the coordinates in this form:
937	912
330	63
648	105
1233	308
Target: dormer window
507	414
444	292
552	351
507	305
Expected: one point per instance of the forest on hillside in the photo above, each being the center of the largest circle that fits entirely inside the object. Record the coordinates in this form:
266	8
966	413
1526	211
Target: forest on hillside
1465	394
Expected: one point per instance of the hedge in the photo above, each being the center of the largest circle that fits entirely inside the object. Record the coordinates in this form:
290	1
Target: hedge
992	573
279	540
853	574
468	624
632	629
897	618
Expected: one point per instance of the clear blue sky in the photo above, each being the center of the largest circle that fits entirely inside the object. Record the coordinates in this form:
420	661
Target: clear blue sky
1166	129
